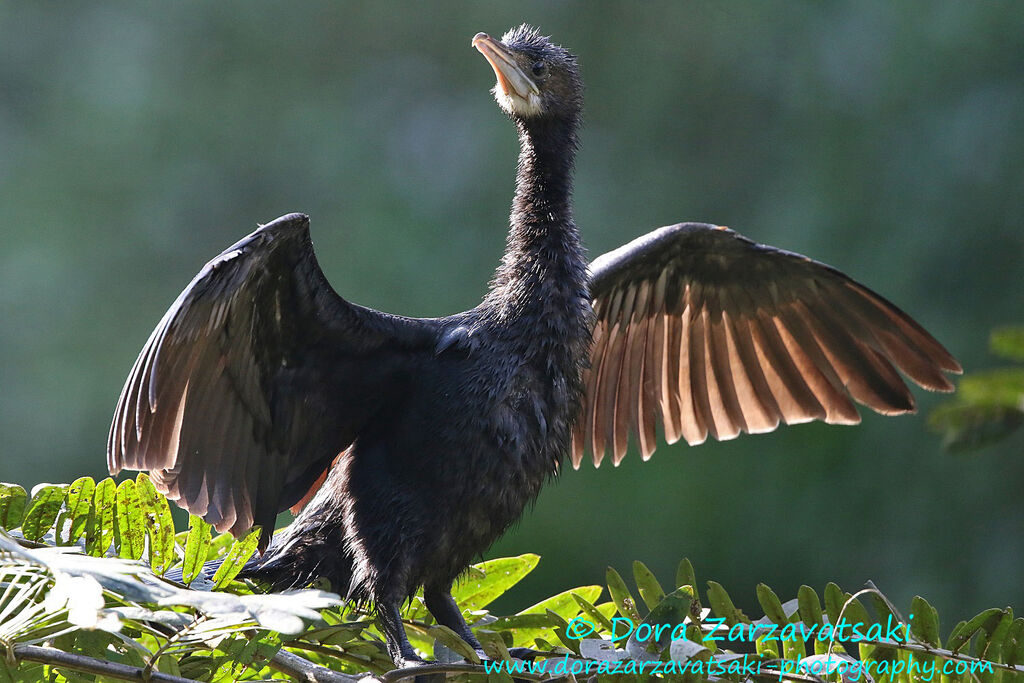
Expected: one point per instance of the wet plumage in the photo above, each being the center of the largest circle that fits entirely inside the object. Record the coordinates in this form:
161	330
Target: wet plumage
422	440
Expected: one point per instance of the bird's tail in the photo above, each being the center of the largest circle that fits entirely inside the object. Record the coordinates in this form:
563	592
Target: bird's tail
279	568
310	548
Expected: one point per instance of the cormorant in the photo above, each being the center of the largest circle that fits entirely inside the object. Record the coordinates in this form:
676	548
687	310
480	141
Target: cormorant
435	434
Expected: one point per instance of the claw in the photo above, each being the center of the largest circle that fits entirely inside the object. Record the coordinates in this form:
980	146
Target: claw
409	662
526	653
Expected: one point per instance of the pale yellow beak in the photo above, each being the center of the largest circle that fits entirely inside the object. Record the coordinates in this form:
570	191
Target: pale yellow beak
511	79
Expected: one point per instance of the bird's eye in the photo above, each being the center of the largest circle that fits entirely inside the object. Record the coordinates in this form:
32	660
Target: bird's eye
539	68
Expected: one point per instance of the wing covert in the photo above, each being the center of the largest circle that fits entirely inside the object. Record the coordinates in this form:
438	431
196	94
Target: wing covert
708	333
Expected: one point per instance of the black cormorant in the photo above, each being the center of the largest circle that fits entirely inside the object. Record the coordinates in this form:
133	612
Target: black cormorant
435	434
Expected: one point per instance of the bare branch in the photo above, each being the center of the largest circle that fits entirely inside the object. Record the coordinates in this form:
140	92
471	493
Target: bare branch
304	670
91	665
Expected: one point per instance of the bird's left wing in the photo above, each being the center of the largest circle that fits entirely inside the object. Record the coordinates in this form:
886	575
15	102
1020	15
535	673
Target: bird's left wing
707	332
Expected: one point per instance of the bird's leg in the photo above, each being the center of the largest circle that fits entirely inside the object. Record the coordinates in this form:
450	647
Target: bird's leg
442	605
401	651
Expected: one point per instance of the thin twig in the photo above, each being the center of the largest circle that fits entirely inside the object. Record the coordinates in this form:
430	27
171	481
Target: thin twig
91	665
172	640
926	649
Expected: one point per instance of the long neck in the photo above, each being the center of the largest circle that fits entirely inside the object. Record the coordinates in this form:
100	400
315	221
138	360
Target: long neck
543	259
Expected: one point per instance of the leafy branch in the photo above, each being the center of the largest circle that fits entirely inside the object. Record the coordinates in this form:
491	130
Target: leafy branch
84	596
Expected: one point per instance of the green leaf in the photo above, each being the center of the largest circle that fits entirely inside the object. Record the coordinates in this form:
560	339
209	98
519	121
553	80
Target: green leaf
42	510
99	532
723	606
651	591
882	609
810	607
1008	342
79	506
12	505
159	524
453	642
6	672
492	579
966	427
197	545
236	558
834	599
672	610
563	604
593	612
334	635
1003	387
621	596
129	524
94	643
954	634
993	632
561	632
856	612
925	624
685	575
543	644
220	544
242	653
1013	646
985	620
771	605
198	667
168	665
768	647
493	644
608	609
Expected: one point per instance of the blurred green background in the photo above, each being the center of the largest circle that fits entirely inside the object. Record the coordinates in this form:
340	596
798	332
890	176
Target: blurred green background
886	138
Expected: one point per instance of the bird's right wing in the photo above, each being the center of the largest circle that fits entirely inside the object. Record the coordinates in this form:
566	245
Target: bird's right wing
256	378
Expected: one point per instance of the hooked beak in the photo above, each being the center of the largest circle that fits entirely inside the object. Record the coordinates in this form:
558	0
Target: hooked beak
511	79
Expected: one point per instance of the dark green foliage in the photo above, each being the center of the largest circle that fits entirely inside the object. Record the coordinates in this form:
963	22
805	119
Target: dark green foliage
989	405
115	608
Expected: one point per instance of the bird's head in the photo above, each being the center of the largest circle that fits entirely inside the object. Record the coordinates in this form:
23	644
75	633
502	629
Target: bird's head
536	79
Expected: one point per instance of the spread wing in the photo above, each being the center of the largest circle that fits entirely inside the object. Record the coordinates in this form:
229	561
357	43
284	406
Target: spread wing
255	379
706	332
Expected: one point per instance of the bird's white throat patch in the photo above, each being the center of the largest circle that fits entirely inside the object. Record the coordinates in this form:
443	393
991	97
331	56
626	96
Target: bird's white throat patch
514	104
